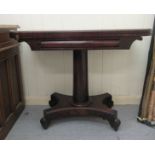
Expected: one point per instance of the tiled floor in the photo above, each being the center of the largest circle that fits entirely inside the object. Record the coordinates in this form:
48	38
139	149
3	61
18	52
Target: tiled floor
28	127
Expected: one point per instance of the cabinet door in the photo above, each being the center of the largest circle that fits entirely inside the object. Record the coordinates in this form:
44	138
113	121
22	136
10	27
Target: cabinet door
2	117
5	100
11	91
14	78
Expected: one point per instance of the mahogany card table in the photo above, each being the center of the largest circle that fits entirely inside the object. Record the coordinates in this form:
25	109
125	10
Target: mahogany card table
80	103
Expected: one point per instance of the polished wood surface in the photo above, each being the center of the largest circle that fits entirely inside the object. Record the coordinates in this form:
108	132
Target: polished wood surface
92	39
11	91
80	104
80	89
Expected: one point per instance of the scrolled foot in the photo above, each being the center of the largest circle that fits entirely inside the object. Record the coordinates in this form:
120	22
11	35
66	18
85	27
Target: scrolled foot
44	122
54	100
108	100
115	123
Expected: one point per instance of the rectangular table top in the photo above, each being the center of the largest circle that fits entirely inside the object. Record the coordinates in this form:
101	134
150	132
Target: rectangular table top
81	39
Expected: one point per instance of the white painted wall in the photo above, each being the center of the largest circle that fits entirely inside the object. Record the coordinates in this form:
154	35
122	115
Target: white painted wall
119	72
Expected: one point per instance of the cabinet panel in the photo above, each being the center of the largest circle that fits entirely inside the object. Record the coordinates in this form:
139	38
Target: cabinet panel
14	81
6	108
2	117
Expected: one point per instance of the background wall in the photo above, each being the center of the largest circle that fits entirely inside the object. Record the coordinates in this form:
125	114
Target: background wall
119	72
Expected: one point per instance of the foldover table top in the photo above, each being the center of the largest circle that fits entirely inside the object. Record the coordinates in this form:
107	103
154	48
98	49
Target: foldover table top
81	39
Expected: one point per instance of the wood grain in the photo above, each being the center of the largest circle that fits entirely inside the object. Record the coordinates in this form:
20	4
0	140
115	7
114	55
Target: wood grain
11	92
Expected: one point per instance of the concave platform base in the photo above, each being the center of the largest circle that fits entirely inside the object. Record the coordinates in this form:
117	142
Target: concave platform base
65	106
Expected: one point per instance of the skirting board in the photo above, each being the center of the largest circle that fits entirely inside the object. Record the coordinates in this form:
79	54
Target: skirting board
118	100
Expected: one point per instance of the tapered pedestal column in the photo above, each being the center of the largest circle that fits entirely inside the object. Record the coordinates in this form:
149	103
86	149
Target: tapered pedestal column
80	83
80	104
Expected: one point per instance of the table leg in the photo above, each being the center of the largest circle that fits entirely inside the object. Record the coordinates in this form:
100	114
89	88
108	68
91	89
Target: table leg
80	78
80	104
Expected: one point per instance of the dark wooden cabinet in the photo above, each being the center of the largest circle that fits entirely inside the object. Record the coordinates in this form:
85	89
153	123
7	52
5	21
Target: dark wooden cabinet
11	91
